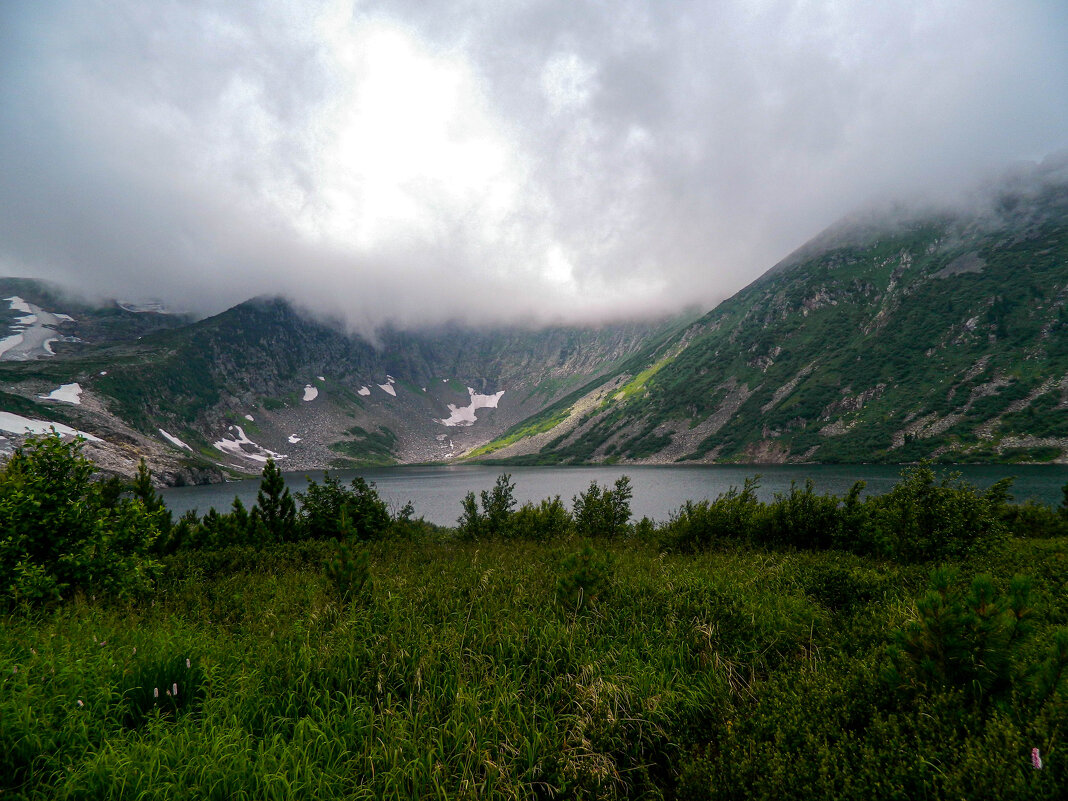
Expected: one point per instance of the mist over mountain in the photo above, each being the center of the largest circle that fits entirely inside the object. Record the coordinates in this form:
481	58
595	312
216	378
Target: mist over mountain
898	334
395	163
892	336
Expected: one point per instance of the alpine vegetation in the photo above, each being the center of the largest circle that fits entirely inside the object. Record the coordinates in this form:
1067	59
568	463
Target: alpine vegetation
321	645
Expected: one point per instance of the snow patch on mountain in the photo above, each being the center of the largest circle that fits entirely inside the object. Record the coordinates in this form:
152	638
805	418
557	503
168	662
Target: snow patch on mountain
174	440
68	393
388	386
310	392
17	424
465	415
363	391
18	304
241	445
8	343
33	333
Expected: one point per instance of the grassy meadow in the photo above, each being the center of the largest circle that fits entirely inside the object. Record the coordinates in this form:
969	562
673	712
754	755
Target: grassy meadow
543	652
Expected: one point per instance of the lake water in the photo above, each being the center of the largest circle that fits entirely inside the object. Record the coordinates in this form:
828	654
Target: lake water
436	492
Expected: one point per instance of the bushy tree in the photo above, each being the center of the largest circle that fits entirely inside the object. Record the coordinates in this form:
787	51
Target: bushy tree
548	520
925	518
60	530
274	517
583	577
469	525
801	518
733	516
322	507
963	636
497	506
349	570
603	512
496	517
142	489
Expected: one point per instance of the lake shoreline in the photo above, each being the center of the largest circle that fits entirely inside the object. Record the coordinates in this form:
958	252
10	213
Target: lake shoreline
436	491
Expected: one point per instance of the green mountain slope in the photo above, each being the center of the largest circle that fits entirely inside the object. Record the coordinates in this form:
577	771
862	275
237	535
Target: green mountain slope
895	338
263	379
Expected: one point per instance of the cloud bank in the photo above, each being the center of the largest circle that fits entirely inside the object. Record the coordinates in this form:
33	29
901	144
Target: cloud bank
535	160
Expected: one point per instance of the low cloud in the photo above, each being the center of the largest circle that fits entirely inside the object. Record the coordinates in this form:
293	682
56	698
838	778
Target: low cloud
485	161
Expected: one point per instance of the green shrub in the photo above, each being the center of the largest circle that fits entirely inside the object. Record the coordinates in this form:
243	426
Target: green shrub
549	520
1034	520
496	518
582	579
60	530
1048	675
349	573
922	519
274	517
840	587
323	505
801	518
963	638
733	516
603	512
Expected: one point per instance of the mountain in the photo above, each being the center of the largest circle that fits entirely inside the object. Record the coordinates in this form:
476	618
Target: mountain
264	379
894	336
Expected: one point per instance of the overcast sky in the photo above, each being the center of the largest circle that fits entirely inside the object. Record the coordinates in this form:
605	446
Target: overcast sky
492	160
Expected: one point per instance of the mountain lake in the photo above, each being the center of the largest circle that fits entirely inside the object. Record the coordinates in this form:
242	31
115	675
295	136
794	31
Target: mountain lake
437	491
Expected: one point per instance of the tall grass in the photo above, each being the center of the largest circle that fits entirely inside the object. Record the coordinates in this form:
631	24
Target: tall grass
731	673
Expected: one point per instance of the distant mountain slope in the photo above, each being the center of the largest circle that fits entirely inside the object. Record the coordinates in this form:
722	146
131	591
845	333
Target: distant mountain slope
263	379
893	338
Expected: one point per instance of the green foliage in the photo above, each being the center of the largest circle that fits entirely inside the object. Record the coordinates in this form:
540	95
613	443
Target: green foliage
1049	674
603	512
323	506
497	506
142	489
734	515
547	521
582	580
714	675
349	572
274	517
921	518
802	518
496	518
159	686
1033	519
538	667
470	526
61	531
964	638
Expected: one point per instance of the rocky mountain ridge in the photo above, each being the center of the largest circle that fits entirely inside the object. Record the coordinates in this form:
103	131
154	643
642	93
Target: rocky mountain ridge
895	336
939	335
205	398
